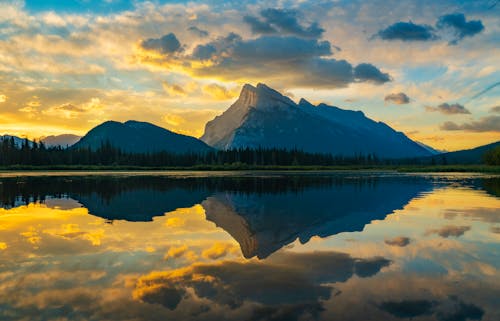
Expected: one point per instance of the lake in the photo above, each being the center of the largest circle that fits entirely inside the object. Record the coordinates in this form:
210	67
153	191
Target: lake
249	246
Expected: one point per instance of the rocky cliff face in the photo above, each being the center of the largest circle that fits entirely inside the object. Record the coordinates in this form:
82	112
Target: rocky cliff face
262	117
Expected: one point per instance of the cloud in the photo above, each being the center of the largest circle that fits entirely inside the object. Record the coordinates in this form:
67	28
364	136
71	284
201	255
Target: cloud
407	31
199	32
485	124
449	230
274	48
174	89
165	45
495	109
484	91
71	108
284	22
455	24
258	26
219	92
284	280
459	26
204	52
449	109
460	311
484	214
176	252
408	308
400	241
397	98
219	250
369	73
301	61
447	310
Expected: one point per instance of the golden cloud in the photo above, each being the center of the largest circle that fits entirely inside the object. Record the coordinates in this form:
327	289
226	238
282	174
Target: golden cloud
219	250
219	92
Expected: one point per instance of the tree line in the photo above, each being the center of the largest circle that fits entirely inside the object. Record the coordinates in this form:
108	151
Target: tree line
37	154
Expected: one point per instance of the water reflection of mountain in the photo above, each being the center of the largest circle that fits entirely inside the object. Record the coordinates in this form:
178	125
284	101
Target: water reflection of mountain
140	198
264	223
262	213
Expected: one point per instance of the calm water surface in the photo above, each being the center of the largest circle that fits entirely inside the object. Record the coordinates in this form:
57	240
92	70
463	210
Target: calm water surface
249	246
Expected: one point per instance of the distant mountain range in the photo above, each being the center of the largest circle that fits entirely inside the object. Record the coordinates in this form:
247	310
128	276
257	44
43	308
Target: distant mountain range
140	137
262	117
467	156
18	141
64	140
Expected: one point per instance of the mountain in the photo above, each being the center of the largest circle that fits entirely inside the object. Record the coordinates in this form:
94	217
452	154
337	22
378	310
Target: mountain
263	117
467	156
140	137
255	220
64	140
432	150
18	141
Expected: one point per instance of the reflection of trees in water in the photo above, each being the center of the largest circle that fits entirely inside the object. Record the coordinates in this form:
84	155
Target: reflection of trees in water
24	190
492	186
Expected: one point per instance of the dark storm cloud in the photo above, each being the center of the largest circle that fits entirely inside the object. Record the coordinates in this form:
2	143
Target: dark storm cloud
397	98
459	26
197	31
282	21
449	109
400	241
485	124
165	45
407	31
449	230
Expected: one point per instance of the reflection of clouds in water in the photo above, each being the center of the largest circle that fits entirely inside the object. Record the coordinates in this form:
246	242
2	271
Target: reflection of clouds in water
284	279
452	309
408	308
400	241
220	250
449	230
483	214
97	282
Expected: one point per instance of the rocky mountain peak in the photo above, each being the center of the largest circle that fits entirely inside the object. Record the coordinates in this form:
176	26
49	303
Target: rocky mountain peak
262	97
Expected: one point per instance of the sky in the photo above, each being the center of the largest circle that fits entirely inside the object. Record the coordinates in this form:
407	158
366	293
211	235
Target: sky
427	68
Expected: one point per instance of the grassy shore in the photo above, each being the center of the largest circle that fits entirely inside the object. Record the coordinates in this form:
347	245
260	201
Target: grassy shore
233	167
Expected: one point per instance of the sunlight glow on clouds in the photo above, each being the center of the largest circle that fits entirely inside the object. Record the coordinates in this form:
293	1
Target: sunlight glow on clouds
179	64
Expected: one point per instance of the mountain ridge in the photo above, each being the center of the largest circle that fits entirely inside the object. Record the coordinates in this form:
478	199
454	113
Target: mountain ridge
262	117
140	137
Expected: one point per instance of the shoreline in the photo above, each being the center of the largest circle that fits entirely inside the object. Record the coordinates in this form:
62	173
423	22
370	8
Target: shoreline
239	167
